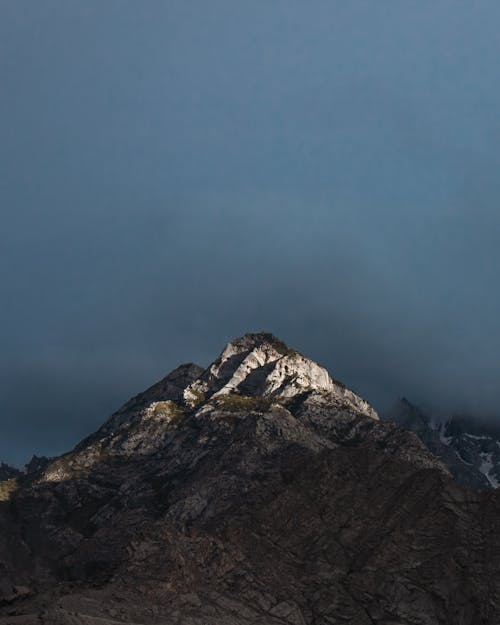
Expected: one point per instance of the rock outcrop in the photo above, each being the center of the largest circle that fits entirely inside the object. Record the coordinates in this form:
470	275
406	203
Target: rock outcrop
259	490
7	472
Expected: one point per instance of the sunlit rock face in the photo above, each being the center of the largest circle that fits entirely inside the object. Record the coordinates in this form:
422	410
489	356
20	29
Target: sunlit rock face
258	366
262	365
256	491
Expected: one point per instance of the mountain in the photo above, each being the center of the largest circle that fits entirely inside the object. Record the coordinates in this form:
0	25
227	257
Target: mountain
470	448
8	473
8	480
257	491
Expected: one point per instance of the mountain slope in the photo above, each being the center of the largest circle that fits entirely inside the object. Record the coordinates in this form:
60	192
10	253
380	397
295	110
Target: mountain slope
468	447
257	491
7	472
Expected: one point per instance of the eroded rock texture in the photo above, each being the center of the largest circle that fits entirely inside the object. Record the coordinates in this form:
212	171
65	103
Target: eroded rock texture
257	491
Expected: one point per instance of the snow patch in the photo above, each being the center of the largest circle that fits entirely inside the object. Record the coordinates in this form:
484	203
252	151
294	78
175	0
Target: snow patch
446	440
485	468
478	438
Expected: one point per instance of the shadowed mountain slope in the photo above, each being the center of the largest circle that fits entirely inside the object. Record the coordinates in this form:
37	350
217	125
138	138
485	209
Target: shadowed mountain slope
470	448
259	490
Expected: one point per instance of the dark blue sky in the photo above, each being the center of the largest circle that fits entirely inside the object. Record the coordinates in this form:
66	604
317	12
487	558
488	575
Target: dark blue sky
174	174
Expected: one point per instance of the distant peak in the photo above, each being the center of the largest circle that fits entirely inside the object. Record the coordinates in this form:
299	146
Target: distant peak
7	472
188	370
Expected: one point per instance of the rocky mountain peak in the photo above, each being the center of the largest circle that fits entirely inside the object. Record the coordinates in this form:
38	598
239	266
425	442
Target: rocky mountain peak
260	364
253	340
256	491
7	472
255	366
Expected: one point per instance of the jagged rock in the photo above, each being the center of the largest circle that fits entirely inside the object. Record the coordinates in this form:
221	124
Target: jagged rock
262	365
37	463
8	473
257	491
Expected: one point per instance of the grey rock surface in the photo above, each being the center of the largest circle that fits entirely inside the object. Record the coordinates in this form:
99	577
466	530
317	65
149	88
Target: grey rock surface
259	490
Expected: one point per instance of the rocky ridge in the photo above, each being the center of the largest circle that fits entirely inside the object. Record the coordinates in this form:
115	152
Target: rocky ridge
7	472
259	490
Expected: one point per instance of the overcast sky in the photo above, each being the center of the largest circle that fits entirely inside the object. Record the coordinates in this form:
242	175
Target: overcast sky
175	174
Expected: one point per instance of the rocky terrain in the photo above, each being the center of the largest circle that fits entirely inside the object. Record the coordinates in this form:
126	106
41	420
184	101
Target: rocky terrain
257	491
470	448
7	472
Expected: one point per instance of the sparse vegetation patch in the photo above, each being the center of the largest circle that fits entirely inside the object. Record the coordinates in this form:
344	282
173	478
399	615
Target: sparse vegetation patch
8	487
243	403
283	349
169	409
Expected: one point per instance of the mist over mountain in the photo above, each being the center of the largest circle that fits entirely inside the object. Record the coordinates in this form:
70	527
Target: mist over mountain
469	447
174	175
54	404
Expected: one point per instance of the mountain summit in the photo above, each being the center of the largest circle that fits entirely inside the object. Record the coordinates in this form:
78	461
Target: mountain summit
256	365
262	365
256	491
